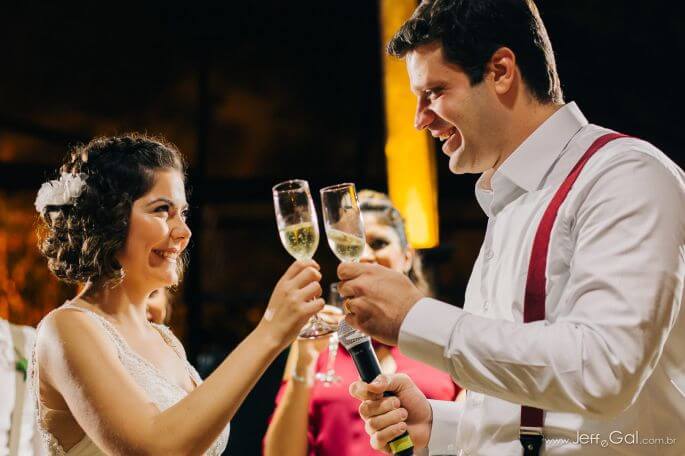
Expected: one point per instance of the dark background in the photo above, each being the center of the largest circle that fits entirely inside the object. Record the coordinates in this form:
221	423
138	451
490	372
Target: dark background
258	92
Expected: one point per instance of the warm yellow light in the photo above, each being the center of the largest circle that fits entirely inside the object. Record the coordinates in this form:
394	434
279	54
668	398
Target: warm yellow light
412	181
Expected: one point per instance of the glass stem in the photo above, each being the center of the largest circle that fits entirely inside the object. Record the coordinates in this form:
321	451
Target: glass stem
332	353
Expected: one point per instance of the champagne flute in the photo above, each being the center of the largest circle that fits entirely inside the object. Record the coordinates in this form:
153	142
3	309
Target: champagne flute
298	229
328	377
343	221
345	234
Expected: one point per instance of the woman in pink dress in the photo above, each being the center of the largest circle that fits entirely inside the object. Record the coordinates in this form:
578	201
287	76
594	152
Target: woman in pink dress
314	419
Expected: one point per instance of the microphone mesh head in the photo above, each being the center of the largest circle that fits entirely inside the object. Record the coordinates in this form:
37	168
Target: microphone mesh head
349	336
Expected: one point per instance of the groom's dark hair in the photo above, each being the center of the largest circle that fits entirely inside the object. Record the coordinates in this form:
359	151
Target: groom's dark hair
470	31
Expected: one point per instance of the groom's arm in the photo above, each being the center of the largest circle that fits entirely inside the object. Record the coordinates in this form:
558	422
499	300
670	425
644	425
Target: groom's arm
446	417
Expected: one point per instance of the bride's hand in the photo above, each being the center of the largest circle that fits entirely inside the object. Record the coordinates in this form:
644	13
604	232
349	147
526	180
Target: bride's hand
293	301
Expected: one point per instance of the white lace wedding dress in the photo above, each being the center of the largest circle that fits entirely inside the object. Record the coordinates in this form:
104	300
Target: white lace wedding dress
161	391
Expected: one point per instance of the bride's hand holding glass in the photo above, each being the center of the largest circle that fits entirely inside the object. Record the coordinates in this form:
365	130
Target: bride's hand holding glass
295	299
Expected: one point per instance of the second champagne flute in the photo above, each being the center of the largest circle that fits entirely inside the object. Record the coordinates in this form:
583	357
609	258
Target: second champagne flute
345	233
343	221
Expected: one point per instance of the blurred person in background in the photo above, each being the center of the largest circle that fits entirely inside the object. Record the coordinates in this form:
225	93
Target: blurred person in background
106	380
316	419
18	433
159	306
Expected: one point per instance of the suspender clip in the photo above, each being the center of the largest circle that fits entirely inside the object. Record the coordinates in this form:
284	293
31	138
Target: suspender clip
531	440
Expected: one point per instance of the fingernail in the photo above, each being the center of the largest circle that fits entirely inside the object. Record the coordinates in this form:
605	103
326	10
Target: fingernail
403	414
403	427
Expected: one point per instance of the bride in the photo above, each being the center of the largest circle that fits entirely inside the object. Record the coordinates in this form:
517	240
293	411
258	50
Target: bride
105	380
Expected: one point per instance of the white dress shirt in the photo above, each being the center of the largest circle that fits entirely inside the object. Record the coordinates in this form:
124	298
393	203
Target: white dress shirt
608	364
30	442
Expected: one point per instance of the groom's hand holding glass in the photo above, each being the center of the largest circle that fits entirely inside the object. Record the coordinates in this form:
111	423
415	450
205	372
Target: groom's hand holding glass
378	299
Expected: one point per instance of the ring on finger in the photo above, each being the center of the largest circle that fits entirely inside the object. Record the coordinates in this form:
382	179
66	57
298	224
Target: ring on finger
346	306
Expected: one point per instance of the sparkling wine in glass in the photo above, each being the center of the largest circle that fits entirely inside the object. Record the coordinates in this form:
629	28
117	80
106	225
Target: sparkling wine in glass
298	229
300	240
343	221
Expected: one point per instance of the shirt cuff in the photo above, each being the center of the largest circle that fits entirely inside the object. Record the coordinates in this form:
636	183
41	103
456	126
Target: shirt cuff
426	332
446	416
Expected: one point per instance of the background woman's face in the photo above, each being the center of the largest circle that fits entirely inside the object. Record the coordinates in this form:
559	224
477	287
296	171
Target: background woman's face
383	245
157	234
157	304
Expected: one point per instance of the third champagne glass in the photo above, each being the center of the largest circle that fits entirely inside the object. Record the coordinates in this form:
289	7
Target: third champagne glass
335	301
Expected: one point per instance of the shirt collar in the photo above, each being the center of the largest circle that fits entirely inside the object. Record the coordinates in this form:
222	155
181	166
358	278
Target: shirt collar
526	167
532	160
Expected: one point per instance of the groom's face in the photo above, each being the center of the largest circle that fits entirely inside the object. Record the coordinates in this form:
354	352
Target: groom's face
452	109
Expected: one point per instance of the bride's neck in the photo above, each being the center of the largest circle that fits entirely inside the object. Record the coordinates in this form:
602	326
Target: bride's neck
123	303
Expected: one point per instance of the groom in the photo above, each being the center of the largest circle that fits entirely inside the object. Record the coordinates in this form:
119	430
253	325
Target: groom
572	332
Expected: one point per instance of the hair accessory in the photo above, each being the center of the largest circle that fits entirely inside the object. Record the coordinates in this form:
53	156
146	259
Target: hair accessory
60	192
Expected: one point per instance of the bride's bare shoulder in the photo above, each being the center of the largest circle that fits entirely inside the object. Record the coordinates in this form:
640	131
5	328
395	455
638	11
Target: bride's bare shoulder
67	322
67	333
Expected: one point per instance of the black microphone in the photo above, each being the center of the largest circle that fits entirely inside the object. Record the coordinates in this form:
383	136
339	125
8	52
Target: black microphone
359	347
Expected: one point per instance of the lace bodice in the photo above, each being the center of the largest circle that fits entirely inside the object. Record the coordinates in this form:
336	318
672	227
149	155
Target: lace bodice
161	391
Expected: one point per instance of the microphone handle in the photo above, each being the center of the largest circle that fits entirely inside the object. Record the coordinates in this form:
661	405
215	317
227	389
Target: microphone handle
369	368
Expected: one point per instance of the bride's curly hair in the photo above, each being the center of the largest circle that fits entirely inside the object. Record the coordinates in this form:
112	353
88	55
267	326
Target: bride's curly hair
80	239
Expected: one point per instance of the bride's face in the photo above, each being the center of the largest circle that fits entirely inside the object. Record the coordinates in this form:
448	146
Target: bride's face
157	233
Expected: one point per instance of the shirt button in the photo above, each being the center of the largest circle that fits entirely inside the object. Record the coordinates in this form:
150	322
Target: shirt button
489	254
486	305
474	399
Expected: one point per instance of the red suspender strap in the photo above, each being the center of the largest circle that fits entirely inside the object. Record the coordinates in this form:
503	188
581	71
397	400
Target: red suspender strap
534	303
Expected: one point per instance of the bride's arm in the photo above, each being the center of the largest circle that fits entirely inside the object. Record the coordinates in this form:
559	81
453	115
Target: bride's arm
77	359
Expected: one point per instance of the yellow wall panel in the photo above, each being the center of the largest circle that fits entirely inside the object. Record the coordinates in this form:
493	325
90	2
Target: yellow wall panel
412	181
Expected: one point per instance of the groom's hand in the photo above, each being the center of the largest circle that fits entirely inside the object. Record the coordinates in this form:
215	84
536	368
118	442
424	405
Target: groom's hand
388	417
378	299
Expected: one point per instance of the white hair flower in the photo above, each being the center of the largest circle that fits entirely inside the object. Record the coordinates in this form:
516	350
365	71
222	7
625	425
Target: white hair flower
60	192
